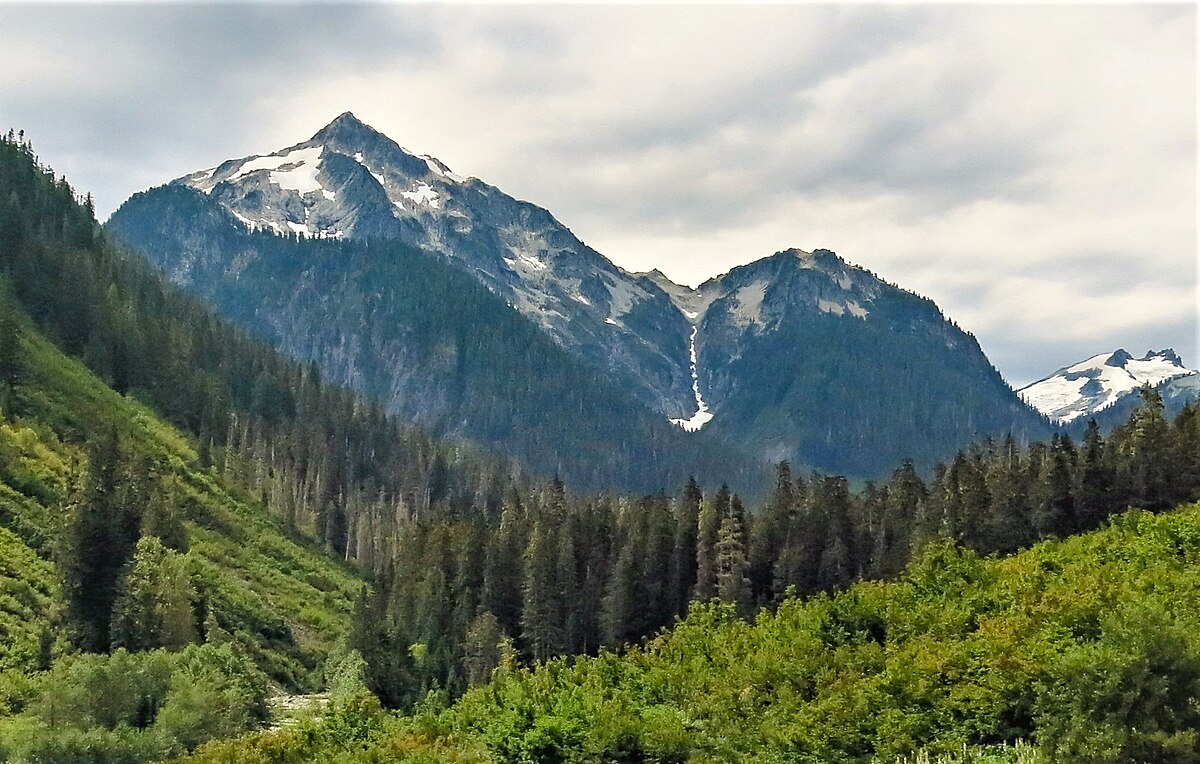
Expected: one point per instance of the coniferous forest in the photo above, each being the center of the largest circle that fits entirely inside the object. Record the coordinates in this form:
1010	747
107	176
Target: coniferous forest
193	524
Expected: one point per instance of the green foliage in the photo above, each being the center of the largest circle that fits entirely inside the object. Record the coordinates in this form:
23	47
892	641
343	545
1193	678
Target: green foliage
156	599
133	707
1131	695
1089	647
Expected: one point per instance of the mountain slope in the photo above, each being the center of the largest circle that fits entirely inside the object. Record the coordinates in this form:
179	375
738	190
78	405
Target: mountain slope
282	599
1075	393
422	337
350	181
799	356
819	361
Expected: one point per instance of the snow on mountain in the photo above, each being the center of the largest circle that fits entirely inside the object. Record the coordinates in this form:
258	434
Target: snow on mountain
350	181
1101	381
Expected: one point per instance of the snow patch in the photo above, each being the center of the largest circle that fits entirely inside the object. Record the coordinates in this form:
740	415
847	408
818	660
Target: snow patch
702	416
749	303
441	170
423	194
829	306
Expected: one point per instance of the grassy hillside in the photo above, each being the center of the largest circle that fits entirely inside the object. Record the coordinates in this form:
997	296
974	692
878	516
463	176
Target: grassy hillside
1089	647
276	595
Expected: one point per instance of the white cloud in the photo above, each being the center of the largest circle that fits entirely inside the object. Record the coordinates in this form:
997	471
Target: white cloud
1031	168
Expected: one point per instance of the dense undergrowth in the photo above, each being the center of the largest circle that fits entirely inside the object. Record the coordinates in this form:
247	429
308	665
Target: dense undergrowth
1089	648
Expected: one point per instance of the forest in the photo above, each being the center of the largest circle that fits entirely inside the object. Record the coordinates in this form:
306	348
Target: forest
187	512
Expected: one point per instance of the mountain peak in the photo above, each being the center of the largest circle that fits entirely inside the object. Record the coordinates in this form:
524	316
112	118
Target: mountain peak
1167	354
344	125
1094	384
1119	358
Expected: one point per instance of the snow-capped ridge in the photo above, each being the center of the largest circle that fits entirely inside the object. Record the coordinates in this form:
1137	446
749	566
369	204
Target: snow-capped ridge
1100	381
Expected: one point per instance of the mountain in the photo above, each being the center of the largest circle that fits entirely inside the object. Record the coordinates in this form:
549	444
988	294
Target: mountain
806	357
350	181
350	251
409	329
1107	385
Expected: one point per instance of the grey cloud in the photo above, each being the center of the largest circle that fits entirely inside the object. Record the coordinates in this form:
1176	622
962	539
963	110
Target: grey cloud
918	141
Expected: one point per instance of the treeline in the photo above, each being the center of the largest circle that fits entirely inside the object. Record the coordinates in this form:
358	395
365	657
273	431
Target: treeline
333	465
561	575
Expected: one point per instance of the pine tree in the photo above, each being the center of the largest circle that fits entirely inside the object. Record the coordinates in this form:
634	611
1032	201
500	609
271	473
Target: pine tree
504	569
1096	480
624	615
770	534
1150	453
1054	506
98	539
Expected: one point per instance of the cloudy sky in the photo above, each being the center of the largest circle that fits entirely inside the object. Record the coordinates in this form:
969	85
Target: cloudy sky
1030	168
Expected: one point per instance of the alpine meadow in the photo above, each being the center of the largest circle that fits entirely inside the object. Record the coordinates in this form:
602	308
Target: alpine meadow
314	449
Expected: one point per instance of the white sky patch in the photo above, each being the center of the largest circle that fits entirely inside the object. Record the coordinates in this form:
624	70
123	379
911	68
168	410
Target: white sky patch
952	149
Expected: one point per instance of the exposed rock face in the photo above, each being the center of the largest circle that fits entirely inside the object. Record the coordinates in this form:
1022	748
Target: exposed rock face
797	356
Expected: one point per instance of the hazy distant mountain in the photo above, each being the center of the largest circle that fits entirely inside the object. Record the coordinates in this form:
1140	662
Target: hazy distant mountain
1105	386
798	356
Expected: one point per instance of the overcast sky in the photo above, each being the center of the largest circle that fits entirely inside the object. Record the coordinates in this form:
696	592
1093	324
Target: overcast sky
1030	168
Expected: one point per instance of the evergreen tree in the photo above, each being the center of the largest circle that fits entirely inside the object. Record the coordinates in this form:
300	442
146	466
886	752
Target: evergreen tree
733	584
485	648
708	529
770	533
504	569
624	613
1054	504
98	539
11	354
541	615
1150	454
1096	480
687	523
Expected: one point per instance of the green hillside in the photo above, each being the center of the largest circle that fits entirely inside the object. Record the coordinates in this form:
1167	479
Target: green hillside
247	581
1089	648
280	597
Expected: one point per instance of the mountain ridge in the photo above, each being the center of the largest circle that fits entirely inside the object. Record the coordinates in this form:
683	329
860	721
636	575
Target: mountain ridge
1087	388
750	359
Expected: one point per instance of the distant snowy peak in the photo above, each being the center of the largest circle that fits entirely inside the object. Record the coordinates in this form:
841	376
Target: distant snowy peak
1100	381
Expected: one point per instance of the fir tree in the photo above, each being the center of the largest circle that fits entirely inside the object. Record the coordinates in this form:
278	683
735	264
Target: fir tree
733	585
